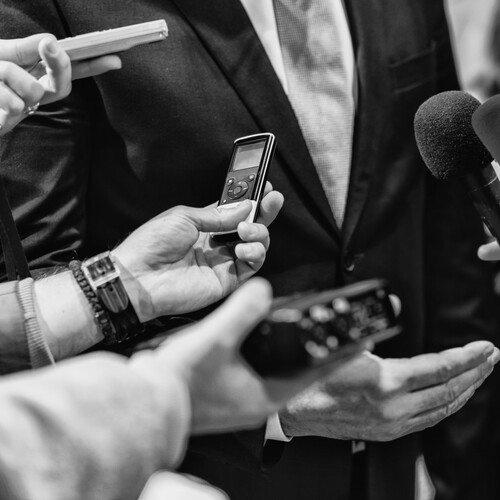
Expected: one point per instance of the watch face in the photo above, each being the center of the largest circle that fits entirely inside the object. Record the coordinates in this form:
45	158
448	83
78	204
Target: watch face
104	278
100	269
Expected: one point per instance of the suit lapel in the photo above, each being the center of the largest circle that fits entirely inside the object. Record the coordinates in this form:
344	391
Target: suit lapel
369	50
225	30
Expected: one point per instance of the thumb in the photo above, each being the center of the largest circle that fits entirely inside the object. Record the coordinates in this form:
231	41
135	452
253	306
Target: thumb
216	219
22	51
490	251
241	312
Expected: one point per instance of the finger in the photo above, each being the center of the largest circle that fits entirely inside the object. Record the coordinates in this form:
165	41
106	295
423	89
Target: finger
427	370
446	393
214	219
241	312
11	108
94	67
21	51
253	253
270	207
57	82
433	417
396	303
253	232
268	188
18	83
491	251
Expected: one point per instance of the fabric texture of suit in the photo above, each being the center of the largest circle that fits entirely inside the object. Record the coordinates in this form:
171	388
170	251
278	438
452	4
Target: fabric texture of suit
127	145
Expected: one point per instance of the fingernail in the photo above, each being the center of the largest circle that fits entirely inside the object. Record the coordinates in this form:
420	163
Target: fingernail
52	47
496	357
488	351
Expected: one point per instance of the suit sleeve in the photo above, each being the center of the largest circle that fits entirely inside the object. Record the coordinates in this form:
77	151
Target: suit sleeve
461	307
45	160
96	427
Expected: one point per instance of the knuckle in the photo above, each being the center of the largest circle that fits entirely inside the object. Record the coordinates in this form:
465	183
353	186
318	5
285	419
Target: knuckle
16	107
20	55
450	392
385	388
387	415
438	415
444	370
35	91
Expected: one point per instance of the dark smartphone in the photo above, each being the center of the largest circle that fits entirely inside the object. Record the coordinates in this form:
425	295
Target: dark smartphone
246	177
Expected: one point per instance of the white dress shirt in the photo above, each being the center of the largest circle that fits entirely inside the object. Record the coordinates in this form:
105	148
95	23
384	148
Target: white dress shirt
261	14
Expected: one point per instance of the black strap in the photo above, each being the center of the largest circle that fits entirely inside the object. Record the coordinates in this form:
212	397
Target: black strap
16	264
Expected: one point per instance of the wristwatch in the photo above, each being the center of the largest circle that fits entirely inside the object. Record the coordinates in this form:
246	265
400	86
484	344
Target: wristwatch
104	279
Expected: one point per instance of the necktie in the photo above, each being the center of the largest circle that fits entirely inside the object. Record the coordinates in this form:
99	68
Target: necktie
318	90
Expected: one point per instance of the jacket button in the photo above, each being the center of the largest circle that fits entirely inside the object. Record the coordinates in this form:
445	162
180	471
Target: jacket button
349	263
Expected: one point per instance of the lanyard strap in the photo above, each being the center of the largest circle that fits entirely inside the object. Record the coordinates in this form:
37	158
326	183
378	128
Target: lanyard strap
16	264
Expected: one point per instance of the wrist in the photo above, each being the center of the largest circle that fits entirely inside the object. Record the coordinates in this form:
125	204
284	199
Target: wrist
134	283
65	316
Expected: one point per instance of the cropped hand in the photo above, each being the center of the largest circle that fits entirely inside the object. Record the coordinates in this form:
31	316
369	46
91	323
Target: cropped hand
21	91
382	399
171	265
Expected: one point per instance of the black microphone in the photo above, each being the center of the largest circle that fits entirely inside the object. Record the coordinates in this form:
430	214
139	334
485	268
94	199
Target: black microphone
451	150
486	123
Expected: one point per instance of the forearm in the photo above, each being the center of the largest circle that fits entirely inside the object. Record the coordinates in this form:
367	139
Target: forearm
95	427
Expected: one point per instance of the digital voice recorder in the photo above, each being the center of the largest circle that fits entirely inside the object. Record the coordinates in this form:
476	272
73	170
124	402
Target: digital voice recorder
319	328
246	177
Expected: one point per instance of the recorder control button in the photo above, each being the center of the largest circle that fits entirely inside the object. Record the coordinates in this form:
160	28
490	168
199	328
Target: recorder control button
238	190
251	177
230	181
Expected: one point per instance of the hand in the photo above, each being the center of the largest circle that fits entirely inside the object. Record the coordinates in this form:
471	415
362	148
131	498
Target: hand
163	485
490	251
378	399
171	265
225	393
20	90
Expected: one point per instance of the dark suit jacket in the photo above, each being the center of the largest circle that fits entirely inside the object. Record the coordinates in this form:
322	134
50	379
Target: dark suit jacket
127	145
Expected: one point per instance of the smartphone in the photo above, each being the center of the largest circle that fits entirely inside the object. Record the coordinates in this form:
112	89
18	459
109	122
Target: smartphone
318	328
246	177
100	43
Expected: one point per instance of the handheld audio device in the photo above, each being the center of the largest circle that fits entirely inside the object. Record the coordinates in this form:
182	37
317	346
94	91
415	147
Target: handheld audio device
100	43
246	177
320	328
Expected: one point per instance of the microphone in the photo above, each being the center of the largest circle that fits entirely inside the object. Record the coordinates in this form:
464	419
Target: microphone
486	123
451	150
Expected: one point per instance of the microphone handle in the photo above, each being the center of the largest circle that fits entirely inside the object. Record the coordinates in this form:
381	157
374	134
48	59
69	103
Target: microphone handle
483	187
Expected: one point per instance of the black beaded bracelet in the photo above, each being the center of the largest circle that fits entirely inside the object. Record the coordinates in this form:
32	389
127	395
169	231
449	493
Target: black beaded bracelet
101	316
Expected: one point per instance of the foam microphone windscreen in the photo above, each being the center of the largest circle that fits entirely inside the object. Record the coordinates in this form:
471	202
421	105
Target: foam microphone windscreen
486	123
447	142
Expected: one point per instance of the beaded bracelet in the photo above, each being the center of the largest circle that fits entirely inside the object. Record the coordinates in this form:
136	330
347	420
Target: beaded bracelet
101	316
